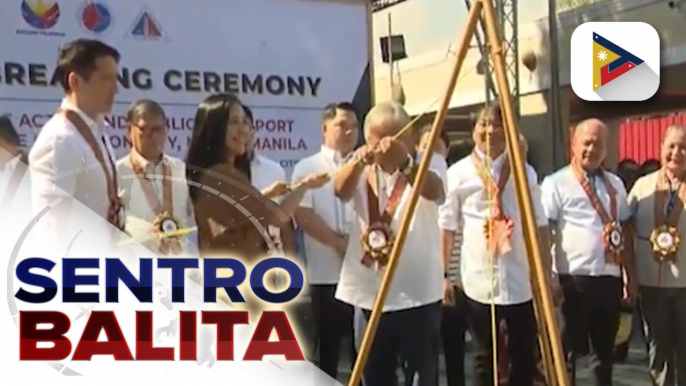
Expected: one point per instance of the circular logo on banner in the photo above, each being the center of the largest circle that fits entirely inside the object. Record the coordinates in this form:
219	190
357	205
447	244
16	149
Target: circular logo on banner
95	17
39	14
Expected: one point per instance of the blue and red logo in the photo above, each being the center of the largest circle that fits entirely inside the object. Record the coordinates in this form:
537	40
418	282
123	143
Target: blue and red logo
40	14
146	27
95	17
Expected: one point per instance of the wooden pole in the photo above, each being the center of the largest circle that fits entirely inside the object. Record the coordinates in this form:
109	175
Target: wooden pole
524	196
373	323
543	338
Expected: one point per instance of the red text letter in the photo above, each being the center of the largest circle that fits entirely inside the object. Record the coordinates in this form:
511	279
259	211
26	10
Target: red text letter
287	344
115	344
30	335
144	349
188	346
225	320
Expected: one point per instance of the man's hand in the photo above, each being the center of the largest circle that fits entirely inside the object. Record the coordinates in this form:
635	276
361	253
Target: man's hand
341	245
364	155
448	293
316	180
630	293
392	152
277	189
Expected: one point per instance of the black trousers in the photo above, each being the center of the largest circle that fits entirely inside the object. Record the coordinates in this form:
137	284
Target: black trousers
453	328
521	327
591	309
334	321
411	335
664	326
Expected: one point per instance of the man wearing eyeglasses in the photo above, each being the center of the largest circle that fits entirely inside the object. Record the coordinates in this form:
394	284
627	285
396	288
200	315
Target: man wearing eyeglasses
152	184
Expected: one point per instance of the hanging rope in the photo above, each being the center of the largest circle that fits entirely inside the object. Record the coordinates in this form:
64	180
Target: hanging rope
491	195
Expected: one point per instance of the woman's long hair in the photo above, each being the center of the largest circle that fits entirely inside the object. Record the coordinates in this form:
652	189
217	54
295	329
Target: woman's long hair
208	144
244	160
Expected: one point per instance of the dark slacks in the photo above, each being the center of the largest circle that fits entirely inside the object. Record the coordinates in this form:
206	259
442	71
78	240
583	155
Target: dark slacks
664	326
591	308
411	335
334	321
521	327
453	328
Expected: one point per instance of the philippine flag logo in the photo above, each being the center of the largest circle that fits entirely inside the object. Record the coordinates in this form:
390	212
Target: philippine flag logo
615	61
40	14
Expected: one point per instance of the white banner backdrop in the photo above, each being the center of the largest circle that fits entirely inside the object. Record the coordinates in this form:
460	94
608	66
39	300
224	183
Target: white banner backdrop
284	59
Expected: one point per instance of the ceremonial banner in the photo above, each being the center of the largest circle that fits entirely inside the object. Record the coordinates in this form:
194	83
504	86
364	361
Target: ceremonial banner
286	60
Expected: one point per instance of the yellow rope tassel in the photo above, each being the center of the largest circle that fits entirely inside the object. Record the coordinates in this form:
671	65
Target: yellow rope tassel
490	196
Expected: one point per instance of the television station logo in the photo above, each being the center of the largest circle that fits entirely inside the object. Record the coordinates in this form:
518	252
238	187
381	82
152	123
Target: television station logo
146	27
41	16
615	61
95	17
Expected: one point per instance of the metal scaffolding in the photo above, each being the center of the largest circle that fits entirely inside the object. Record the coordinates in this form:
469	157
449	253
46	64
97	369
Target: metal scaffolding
381	4
506	11
507	23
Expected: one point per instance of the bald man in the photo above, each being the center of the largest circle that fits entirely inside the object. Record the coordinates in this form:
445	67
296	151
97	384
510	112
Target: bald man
656	202
587	210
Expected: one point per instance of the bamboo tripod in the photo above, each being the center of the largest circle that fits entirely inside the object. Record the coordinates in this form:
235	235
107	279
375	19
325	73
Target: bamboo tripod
548	329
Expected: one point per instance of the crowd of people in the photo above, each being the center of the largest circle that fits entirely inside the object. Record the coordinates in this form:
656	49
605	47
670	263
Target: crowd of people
608	241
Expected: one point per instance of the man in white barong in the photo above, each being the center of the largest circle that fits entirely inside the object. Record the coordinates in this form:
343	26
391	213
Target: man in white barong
153	185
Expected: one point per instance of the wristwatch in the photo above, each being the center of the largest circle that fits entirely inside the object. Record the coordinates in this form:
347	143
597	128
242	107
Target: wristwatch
409	166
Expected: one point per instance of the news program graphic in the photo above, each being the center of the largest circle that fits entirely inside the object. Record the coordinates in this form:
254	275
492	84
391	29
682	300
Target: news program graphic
146	27
95	17
39	14
615	61
130	313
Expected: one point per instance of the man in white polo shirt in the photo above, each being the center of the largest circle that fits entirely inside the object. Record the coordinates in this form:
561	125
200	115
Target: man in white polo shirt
502	280
586	206
266	175
325	220
379	183
269	177
72	158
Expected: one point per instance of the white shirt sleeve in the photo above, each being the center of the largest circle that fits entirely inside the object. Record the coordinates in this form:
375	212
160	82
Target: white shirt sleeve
550	199
54	165
437	166
300	171
633	198
448	212
280	172
536	200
